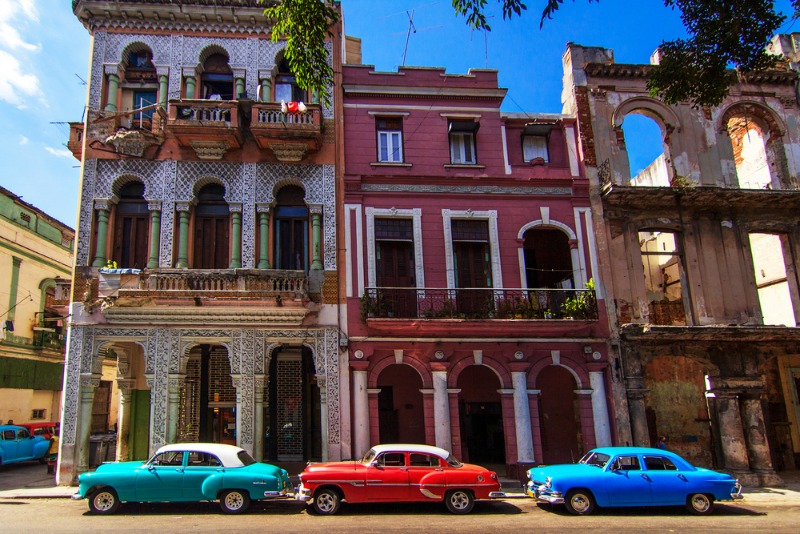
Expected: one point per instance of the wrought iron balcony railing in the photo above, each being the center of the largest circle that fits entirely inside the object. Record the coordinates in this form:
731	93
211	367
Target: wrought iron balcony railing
474	303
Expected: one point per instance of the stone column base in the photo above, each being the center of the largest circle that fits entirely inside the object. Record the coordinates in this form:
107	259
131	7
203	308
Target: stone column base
747	479
769	478
519	470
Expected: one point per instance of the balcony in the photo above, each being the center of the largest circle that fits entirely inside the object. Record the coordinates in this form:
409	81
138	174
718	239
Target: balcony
209	127
75	143
240	284
290	136
480	304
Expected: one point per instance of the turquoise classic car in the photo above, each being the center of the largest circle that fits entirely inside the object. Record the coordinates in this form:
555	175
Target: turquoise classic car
18	445
631	476
185	472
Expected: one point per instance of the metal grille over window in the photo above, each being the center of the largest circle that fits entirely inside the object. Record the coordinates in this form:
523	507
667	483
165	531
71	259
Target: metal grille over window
394	229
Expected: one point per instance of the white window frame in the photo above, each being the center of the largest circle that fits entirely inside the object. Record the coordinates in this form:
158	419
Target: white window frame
415	214
392	140
539	149
458	143
494	243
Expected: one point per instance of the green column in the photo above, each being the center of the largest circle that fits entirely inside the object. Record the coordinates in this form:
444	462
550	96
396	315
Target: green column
162	90
316	252
183	241
190	87
12	293
113	87
266	89
314	96
236	243
263	234
239	88
102	230
155	241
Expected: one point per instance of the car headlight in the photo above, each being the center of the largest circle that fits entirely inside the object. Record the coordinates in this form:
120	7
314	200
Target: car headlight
548	482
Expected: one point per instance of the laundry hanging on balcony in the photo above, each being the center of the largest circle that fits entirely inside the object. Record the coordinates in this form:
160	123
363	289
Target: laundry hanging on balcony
293	107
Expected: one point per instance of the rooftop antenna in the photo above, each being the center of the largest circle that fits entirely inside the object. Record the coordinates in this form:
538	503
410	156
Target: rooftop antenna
411	28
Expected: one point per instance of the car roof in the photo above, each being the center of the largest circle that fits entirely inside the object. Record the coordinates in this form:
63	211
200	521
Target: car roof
411	447
12	427
611	451
227	454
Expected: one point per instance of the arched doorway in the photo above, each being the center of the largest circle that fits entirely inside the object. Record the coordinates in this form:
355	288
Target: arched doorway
216	82
481	416
400	406
291	229
211	229
292	417
208	398
131	227
559	416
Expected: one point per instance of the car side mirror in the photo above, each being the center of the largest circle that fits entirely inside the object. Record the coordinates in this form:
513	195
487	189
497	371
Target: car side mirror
376	465
150	467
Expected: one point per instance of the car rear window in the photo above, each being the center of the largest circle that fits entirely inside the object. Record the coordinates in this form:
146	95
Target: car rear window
659	463
245	458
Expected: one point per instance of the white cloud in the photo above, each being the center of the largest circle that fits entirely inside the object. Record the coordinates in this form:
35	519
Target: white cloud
60	152
18	82
23	140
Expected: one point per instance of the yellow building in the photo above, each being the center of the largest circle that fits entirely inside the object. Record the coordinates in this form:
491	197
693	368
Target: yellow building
35	271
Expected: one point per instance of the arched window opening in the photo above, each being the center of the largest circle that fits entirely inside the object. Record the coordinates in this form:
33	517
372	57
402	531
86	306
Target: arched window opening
647	155
211	229
216	82
548	260
291	229
400	405
286	87
139	88
131	227
770	267
663	277
749	154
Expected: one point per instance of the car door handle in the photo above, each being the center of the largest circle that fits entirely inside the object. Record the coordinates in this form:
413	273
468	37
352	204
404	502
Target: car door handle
683	477
179	469
644	476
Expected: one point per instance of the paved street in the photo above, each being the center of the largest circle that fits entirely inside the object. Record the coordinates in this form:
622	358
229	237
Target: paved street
774	510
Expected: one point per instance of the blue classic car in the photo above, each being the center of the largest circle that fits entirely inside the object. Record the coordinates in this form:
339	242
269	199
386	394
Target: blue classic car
631	476
185	472
18	445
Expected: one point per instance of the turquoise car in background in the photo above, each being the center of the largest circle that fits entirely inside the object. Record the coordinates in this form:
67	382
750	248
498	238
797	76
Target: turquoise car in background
18	445
185	472
631	476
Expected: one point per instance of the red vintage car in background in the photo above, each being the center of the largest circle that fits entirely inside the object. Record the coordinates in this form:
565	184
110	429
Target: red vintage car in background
398	473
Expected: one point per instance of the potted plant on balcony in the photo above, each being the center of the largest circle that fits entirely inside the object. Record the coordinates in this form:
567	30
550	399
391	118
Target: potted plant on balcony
582	304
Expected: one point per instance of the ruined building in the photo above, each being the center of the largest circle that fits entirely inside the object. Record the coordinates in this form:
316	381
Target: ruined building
698	255
205	284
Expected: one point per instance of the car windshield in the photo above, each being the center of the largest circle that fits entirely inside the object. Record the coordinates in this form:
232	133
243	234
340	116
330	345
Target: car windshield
245	458
368	457
453	462
595	458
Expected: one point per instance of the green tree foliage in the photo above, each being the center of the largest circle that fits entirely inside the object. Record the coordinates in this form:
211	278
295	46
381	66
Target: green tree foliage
722	34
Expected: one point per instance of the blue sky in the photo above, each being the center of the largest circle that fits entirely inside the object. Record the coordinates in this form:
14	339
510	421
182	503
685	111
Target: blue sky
44	60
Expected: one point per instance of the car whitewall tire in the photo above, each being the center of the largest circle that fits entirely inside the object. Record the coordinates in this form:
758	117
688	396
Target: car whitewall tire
699	504
104	501
234	501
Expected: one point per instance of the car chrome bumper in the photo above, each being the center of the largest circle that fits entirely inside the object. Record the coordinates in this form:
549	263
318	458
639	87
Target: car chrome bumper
497	495
737	493
302	494
76	497
542	495
278	494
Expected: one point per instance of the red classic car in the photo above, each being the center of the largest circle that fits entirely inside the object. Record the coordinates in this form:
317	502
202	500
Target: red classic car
398	473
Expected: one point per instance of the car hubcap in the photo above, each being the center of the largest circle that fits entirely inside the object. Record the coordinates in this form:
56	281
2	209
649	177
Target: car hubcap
326	502
459	500
700	503
103	501
234	501
580	503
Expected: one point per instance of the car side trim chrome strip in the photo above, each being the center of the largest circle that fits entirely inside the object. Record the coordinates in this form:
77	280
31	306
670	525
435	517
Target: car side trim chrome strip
429	494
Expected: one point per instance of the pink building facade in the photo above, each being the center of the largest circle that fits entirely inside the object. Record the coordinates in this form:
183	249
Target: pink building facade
475	316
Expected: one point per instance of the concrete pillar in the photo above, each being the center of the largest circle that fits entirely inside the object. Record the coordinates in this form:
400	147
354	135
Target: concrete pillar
173	406
89	383
266	90
374	416
263	236
258	408
236	238
113	88
124	419
360	411
316	237
427	415
734	448
586	418
183	238
323	415
155	234
757	444
441	411
238	386
190	87
102	206
536	428
602	425
522	418
162	90
239	83
636	407
456	445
